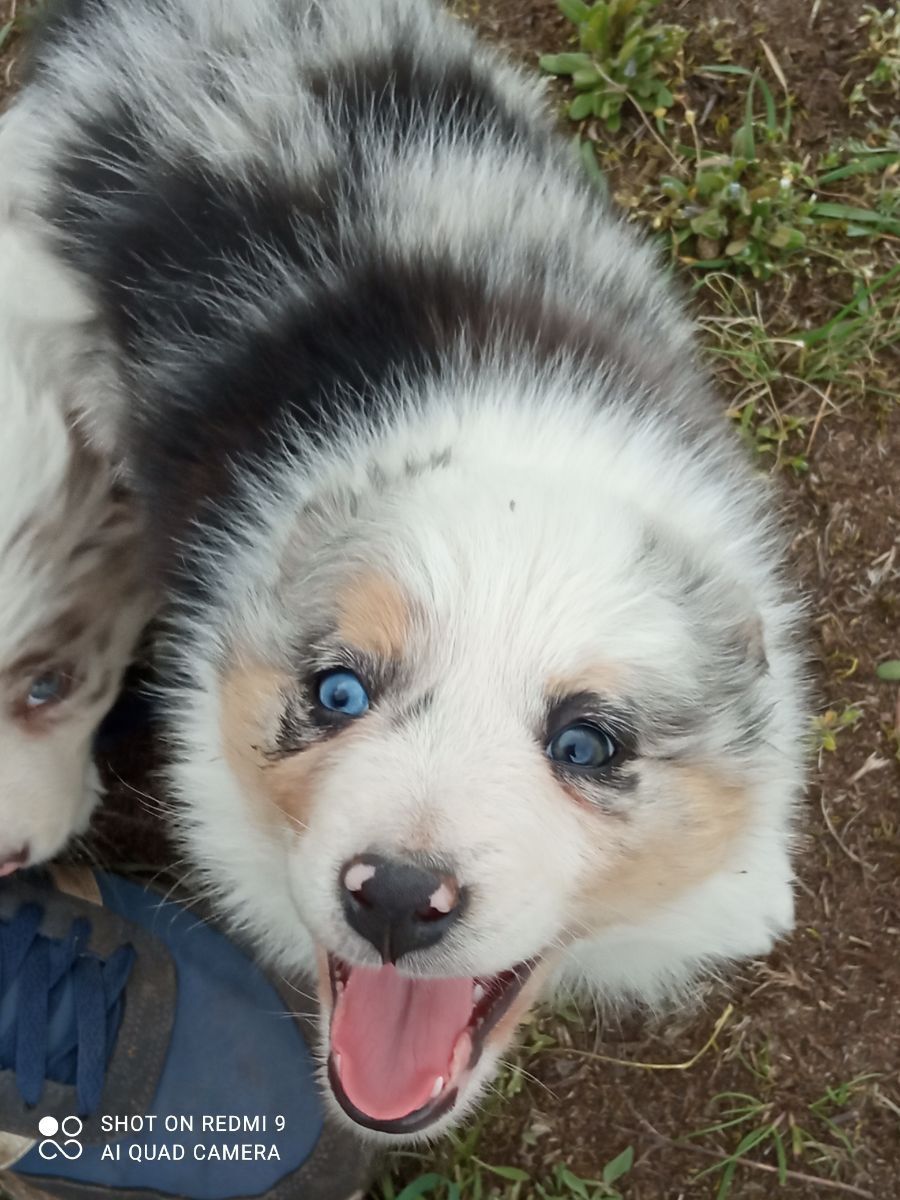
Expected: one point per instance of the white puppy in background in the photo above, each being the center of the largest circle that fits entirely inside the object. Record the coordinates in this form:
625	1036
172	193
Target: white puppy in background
74	595
72	605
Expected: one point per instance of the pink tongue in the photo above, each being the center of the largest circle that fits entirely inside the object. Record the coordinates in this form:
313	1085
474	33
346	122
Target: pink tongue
395	1036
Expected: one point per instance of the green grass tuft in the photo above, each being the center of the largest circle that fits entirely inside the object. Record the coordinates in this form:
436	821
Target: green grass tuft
625	56
883	80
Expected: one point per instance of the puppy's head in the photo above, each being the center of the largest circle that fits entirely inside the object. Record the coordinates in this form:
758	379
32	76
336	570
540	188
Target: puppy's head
500	709
71	607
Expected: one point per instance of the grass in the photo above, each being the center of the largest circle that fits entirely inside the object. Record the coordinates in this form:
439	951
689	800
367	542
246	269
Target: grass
784	378
828	727
463	1167
474	1179
460	1170
741	198
624	56
883	56
808	1138
23	15
760	1131
739	206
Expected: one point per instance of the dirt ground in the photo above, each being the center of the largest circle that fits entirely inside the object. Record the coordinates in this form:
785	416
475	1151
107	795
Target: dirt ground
822	1011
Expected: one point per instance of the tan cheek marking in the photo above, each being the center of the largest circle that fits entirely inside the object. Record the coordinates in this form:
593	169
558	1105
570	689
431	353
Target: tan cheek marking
713	814
252	698
250	710
594	679
290	783
586	800
374	616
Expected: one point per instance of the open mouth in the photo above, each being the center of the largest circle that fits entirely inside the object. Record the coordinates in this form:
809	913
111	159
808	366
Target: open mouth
401	1048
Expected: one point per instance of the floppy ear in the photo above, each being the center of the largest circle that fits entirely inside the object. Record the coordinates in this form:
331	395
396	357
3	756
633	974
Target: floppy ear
722	608
750	644
93	475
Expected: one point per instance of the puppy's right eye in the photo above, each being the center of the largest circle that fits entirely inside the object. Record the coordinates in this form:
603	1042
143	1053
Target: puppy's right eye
50	687
343	692
582	747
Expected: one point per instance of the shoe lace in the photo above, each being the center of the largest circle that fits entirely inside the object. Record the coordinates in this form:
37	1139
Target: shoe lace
60	1007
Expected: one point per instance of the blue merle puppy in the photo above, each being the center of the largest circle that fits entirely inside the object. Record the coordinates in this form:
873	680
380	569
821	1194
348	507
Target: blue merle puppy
482	671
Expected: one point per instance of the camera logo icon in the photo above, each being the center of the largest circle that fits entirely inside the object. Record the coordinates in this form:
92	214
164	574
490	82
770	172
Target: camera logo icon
60	1138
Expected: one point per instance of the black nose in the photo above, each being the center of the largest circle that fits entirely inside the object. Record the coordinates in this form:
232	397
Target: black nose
399	906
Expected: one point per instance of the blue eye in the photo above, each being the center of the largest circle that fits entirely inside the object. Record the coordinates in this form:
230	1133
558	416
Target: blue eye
47	689
342	692
583	746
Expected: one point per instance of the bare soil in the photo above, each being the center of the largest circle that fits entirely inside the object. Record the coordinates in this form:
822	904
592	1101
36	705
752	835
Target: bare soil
822	1010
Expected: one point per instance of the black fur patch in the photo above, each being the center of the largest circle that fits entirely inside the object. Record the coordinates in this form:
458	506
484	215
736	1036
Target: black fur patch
164	250
397	98
165	243
386	321
154	234
178	251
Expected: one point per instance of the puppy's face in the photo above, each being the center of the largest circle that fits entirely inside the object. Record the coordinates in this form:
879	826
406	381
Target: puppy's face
71	608
48	782
479	727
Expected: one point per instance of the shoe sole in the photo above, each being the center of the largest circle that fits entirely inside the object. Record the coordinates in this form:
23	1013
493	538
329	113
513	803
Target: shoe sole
15	1189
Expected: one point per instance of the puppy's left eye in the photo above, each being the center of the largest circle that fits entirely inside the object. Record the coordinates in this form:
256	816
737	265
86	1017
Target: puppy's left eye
48	688
343	692
584	747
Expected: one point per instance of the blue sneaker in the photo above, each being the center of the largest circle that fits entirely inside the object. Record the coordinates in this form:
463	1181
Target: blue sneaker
143	1055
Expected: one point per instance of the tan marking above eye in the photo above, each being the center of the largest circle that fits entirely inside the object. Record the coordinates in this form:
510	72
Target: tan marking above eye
596	679
702	820
374	616
252	697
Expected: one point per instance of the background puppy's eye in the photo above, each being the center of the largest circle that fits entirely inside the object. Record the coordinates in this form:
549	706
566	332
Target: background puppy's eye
343	692
50	687
586	747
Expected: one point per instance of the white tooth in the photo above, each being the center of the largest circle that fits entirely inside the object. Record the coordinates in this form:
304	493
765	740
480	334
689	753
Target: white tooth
336	1059
438	1087
478	993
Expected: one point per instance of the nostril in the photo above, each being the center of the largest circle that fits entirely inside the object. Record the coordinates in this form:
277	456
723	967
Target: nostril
357	875
445	897
430	914
442	902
